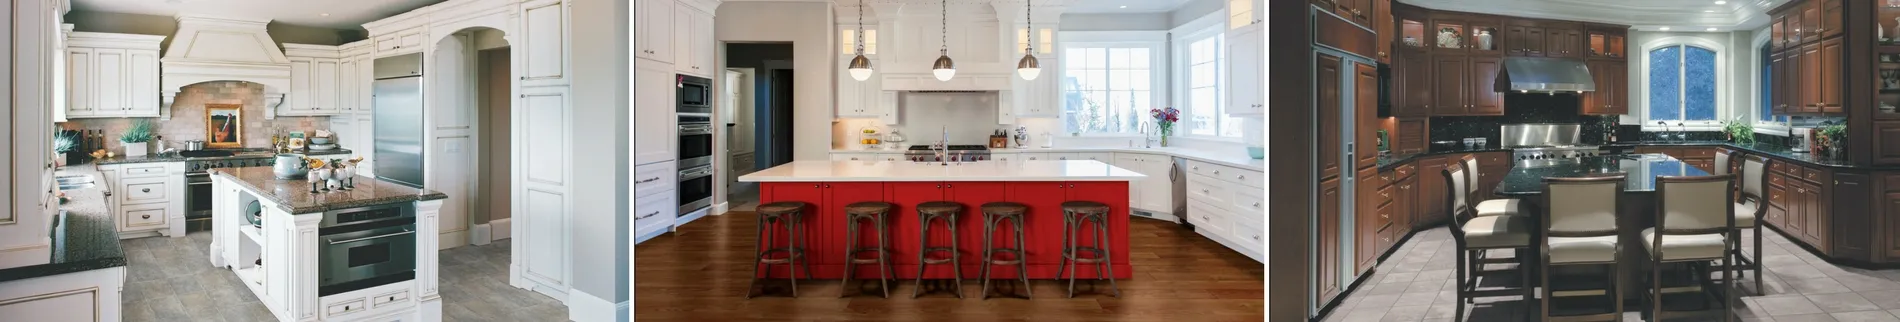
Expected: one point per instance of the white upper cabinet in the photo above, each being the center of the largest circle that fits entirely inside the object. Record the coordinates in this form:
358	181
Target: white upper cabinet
315	81
1040	97
1242	13
401	42
693	42
1244	48
858	99
544	60
111	75
653	37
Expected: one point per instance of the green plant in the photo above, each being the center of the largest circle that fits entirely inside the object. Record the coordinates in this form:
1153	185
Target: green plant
140	132
1836	135
1739	130
65	141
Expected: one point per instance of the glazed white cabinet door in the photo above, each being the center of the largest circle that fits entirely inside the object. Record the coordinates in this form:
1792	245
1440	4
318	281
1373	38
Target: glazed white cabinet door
324	84
80	68
110	81
546	41
1244	49
653	95
300	99
346	85
141	83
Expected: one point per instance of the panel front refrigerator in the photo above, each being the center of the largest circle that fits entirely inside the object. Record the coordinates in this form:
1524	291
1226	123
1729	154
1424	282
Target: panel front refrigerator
398	110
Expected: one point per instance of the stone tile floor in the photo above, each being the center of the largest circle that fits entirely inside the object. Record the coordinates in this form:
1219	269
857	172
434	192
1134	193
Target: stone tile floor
171	279
1415	284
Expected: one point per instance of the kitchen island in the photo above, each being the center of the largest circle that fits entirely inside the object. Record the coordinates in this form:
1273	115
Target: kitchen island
827	186
329	255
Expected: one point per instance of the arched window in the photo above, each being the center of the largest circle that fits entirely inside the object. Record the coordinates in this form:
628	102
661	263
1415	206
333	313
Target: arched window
1682	85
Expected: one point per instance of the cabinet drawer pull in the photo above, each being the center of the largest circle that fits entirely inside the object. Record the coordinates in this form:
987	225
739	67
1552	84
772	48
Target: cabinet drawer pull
145	216
649	180
146	190
655	212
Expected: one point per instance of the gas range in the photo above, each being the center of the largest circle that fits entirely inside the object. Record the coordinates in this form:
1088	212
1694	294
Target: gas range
1553	152
1544	141
958	153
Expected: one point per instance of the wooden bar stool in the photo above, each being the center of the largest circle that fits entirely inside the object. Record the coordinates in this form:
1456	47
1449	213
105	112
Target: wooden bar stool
1694	224
1487	207
994	215
1581	230
855	215
945	212
1474	235
789	215
1750	207
1075	214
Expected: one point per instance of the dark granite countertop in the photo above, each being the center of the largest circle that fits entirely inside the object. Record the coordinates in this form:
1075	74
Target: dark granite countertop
84	235
1772	150
1641	170
1387	162
174	157
294	196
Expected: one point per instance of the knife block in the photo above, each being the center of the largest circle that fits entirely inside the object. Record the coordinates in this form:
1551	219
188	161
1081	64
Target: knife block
999	142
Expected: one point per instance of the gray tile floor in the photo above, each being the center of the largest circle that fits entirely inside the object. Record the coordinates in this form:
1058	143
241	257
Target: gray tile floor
1415	284
170	279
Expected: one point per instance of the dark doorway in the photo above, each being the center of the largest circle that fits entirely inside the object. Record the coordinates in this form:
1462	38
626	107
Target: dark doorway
773	94
781	117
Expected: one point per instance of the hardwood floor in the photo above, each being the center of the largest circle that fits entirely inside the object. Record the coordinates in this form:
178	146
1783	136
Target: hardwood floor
700	273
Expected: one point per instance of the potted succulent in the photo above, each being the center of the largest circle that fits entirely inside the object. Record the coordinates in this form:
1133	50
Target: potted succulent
137	139
64	142
1739	130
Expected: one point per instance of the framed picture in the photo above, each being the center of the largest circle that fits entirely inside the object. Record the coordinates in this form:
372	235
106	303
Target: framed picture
224	126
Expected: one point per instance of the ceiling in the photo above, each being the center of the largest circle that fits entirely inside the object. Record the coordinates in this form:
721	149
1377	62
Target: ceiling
1117	6
1679	15
341	14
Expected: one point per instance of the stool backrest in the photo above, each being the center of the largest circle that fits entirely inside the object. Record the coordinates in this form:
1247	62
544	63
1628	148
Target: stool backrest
1754	177
1582	207
1721	162
1471	176
1694	204
1455	194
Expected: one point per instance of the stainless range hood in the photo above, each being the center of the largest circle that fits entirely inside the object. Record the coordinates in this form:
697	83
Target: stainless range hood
1545	75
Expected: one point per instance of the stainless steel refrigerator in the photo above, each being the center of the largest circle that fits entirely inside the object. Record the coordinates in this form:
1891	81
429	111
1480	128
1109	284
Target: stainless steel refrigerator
398	112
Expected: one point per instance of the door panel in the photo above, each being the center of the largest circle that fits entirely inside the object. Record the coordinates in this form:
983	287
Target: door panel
1329	100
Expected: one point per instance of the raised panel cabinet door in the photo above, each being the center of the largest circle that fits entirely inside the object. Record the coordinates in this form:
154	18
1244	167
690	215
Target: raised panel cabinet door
683	38
142	92
1533	41
705	46
80	78
346	85
1433	194
1830	80
1045	210
1778	66
1329	99
1593	102
109	86
1619	98
1892	212
1811	78
1415	70
1816	226
1244	50
1887	142
546	41
1382	22
1448	94
1485	99
1328	239
655	131
1365	225
1405	205
324	85
299	97
1366	109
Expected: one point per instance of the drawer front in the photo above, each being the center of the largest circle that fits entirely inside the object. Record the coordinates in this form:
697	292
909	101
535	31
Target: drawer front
1777	180
1385	195
1494	159
654	178
397	297
1698	153
345	307
1250	204
1778	196
1816	175
1104	157
388	43
144	171
145	190
1206	190
143	216
853	157
1248	234
1406	171
1791	170
1208	219
654	210
1034	157
412	40
1383	216
1389	237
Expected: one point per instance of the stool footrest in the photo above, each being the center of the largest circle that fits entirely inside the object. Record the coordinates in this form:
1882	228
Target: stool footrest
1098	254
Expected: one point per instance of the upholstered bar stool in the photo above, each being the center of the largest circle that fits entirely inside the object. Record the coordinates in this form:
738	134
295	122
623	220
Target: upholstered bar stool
1693	222
1749	208
1491	207
789	216
994	215
945	212
1474	235
1075	215
1721	162
1581	229
856	214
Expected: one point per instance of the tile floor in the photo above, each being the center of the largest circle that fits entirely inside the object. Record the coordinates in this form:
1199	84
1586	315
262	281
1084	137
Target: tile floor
1415	284
170	279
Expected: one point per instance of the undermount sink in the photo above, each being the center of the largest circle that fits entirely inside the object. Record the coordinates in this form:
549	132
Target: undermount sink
74	182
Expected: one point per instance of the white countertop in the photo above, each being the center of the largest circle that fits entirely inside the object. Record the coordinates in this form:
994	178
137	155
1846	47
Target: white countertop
1233	157
839	171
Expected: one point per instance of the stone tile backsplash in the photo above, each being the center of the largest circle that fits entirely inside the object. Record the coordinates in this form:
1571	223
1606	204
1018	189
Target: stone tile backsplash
188	117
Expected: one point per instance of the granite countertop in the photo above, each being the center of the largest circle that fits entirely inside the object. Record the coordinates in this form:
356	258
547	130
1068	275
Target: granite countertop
84	235
294	196
1389	161
1774	150
175	157
906	171
1640	170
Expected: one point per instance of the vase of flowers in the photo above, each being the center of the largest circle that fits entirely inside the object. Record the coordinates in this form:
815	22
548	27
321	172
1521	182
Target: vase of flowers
1164	121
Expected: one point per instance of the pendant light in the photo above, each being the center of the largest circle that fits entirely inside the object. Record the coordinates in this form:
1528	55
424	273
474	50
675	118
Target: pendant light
944	68
1028	67
860	67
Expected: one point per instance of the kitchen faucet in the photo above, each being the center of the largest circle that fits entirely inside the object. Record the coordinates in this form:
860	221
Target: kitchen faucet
942	148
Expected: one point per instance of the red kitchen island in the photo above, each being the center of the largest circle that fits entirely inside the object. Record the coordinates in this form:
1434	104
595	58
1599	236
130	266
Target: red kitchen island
827	186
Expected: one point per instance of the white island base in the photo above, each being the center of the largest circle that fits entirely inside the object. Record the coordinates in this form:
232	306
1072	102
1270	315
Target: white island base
288	244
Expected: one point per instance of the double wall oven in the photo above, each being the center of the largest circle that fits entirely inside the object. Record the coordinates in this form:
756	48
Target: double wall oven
695	144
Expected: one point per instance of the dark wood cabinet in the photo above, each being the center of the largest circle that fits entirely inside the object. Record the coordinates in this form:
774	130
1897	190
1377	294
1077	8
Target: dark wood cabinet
1460	80
1327	71
1449	81
1811	21
1810	82
1415	85
1523	40
1328	240
1831	15
1382	24
1779	85
1606	42
1828	80
1366	110
1563	40
1794	34
1366	221
1612	93
1433	195
1485	98
1406	203
1777	33
1411	136
1886	142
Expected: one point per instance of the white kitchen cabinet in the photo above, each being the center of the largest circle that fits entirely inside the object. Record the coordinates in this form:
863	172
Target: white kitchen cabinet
1097	156
655	134
653	214
298	101
324	86
1040	97
654	178
1005	156
863	99
1243	13
1224	204
693	41
400	42
1035	156
1244	48
146	197
316	80
111	75
653	37
544	58
1153	193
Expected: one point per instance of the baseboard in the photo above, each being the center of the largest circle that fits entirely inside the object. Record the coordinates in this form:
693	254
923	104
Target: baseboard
624	311
690	217
720	209
501	228
33	254
452	239
583	307
480	235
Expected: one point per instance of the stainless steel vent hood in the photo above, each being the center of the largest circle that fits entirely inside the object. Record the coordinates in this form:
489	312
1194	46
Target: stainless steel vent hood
1545	75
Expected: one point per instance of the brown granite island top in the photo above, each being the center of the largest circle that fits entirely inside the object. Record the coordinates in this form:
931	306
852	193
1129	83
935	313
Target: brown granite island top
294	196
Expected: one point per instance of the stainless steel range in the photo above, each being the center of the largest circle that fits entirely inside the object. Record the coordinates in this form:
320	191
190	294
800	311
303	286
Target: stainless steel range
198	181
1544	141
956	153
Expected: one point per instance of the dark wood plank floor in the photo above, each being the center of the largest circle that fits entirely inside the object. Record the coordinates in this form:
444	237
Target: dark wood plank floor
700	274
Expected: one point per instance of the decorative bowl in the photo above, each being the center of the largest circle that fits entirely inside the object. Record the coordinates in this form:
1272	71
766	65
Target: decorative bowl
322	140
255	214
1257	152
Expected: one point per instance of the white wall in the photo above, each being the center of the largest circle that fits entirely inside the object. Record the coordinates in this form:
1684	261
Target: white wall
1112	21
808	25
602	229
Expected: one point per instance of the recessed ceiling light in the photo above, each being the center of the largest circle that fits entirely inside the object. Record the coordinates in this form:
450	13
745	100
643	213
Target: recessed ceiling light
1663	28
1721	2
1124	7
1710	29
323	14
1708	10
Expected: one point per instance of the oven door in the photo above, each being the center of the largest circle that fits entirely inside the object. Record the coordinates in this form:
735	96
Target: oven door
197	194
696	188
366	258
695	144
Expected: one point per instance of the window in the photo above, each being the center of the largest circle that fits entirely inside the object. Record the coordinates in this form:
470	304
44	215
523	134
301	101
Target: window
1682	85
1765	112
1107	88
1203	111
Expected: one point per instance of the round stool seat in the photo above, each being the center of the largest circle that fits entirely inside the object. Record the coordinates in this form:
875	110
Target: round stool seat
867	208
1085	206
780	208
939	208
1004	208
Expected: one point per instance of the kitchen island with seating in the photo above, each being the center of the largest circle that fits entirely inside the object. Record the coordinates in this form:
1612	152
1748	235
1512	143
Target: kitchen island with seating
821	195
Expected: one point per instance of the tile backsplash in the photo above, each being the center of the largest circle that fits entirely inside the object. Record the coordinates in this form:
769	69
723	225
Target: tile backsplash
1519	108
188	116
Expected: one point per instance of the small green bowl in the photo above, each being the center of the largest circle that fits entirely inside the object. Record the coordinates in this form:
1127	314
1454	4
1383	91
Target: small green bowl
1257	152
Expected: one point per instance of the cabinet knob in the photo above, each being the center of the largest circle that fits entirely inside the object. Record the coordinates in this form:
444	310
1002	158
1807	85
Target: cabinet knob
145	216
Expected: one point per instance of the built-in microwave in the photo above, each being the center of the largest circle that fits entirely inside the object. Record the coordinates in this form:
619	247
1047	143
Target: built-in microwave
695	94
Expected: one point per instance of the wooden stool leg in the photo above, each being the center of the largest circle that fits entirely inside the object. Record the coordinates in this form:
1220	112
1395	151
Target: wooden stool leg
923	243
989	233
1458	299
1757	259
956	261
850	245
758	257
885	274
1022	259
1108	252
791	257
1069	251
